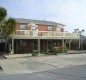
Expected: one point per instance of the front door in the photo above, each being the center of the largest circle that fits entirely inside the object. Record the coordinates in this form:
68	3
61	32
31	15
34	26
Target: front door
35	46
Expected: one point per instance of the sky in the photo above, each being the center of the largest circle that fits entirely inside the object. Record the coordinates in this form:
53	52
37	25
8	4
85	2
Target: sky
72	13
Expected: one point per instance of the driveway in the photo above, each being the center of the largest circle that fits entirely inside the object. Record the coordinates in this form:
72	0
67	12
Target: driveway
39	64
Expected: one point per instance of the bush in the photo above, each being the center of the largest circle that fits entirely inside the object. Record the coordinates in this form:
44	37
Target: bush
55	51
34	54
65	49
60	49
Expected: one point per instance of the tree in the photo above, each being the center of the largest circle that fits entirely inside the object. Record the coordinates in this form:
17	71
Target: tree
83	31
3	13
75	30
7	26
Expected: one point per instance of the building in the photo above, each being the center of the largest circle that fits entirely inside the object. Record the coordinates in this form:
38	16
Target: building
38	35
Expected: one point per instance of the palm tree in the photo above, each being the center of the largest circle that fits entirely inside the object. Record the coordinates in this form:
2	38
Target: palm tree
83	31
3	13
75	30
7	26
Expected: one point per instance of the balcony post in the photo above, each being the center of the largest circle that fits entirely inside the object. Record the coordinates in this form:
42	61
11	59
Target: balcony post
38	45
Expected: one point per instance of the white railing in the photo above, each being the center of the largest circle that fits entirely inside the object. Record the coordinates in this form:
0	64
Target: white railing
30	33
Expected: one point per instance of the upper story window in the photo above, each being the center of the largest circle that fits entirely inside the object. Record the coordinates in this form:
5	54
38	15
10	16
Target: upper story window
50	28
57	29
22	26
33	28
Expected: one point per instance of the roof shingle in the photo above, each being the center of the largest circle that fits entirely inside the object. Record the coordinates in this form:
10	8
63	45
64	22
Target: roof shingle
42	22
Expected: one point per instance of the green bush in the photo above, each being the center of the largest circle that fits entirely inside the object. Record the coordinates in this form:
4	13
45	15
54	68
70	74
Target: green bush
65	49
34	54
60	49
55	51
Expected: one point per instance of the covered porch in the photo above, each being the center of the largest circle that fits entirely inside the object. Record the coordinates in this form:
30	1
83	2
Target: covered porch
37	45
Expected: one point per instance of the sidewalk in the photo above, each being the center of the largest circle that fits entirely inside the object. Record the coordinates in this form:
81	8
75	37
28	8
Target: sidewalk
17	56
76	51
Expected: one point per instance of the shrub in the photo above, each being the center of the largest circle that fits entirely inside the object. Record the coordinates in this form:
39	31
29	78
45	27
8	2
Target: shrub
60	49
34	54
65	49
55	50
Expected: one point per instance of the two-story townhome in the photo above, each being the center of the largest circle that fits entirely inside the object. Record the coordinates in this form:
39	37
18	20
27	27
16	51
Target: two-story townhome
38	35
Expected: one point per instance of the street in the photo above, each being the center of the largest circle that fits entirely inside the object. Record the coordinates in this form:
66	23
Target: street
61	67
71	73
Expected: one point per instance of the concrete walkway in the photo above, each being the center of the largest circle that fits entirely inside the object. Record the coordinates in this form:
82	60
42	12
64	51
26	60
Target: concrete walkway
37	64
17	56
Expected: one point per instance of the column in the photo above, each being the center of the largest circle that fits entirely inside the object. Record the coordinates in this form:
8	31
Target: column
38	45
79	43
69	44
63	44
12	51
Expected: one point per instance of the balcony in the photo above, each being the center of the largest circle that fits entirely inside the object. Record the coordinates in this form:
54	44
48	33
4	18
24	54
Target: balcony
29	34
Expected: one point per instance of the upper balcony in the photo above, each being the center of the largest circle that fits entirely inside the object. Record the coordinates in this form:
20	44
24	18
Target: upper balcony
29	34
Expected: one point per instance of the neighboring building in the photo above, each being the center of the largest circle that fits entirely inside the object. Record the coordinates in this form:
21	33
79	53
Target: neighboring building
38	35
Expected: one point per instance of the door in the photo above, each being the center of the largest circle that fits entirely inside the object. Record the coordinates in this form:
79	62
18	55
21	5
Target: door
49	44
35	46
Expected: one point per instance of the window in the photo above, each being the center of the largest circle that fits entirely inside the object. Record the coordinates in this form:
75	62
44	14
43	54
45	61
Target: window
62	30
33	28
50	28
23	26
24	43
57	29
49	44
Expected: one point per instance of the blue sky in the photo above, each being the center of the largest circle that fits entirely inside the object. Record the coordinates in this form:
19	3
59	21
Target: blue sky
72	13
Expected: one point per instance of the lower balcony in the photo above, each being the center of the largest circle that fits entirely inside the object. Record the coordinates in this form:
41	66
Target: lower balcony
29	34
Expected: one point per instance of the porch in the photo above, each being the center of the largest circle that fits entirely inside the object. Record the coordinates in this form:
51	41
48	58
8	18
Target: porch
37	45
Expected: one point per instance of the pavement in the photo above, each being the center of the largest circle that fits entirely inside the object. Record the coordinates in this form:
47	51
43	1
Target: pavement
68	65
70	73
77	72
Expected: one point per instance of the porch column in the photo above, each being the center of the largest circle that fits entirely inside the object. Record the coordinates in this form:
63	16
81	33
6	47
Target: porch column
69	44
63	44
79	43
12	52
38	45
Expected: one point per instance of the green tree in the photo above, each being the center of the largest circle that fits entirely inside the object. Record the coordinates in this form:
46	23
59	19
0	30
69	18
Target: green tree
7	25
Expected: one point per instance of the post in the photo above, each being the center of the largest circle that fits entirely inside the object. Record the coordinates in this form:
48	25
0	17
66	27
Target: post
79	44
38	45
63	44
69	44
12	51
